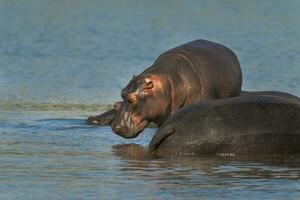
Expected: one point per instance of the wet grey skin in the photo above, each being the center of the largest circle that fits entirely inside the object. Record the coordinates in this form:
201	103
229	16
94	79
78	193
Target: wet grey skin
197	71
261	123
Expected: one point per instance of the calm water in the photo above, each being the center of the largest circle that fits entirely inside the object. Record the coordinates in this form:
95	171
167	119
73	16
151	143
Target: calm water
61	61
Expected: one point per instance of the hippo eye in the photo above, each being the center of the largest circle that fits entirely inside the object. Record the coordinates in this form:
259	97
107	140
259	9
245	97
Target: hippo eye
132	98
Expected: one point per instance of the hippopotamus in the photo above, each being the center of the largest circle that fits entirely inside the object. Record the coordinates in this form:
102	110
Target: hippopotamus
256	123
197	71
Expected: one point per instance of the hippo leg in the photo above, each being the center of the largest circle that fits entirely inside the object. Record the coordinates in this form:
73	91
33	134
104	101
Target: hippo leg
105	119
160	136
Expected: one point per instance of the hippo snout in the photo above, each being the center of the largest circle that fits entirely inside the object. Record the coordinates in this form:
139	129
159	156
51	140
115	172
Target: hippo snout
117	128
124	131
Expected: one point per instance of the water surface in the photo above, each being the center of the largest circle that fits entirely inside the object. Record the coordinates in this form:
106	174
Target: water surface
61	61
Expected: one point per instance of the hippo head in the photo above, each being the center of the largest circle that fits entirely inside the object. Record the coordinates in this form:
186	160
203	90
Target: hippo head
145	100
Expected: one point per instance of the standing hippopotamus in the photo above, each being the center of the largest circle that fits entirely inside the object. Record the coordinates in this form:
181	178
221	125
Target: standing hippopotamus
265	123
193	72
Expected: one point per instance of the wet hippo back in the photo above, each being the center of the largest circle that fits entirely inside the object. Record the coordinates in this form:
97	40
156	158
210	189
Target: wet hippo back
270	93
255	124
204	69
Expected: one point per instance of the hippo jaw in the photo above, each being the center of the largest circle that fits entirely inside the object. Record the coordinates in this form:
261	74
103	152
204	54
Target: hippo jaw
130	130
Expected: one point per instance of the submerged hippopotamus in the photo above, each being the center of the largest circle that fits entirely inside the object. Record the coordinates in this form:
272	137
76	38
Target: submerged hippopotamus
193	72
253	123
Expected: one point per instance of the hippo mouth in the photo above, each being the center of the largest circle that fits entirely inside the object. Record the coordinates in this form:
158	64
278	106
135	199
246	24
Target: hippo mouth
137	129
131	130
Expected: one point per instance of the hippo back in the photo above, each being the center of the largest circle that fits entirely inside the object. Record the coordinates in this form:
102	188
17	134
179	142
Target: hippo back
262	124
194	72
207	69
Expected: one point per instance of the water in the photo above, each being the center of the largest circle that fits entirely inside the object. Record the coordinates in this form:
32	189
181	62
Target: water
61	61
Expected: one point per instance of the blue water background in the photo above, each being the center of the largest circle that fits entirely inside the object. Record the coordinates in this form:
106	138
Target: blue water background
61	61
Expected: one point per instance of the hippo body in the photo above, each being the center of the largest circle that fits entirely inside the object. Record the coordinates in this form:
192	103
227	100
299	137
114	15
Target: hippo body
249	124
193	72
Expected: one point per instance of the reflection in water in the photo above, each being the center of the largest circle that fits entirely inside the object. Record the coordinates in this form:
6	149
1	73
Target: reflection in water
223	167
212	177
131	151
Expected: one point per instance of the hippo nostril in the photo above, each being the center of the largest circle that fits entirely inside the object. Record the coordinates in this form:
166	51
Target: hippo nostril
117	127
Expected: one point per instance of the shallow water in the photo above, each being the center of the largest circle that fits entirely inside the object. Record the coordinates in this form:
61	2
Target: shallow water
61	61
55	156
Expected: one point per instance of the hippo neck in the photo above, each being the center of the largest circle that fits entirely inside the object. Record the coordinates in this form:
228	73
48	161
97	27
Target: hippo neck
185	81
180	77
162	92
175	90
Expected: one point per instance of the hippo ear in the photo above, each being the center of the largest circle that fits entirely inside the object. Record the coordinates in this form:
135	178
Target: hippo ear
146	90
149	85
